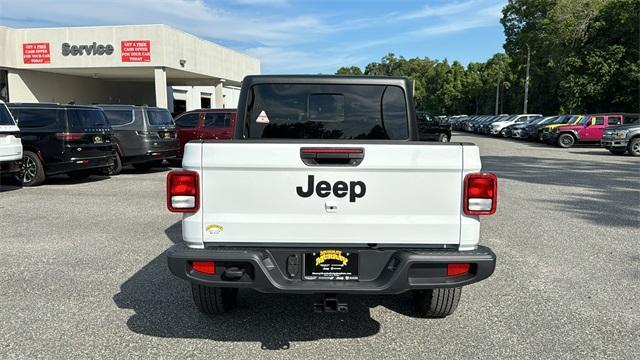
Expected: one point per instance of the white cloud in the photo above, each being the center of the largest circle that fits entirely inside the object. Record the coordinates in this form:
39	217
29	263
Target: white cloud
303	62
451	8
486	17
284	43
194	16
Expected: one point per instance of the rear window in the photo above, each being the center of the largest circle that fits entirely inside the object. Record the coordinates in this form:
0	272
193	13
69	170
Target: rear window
308	111
119	117
159	117
86	119
35	118
5	116
217	120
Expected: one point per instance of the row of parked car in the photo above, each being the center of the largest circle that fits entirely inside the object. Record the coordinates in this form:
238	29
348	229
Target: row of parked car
43	139
617	132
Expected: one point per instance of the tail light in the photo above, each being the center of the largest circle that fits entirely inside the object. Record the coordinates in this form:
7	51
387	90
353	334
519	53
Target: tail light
183	191
205	267
454	269
69	136
480	194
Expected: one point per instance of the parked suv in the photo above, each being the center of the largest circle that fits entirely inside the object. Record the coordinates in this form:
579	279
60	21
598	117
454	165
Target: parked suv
499	127
10	144
144	136
591	129
432	128
529	130
62	139
622	138
205	124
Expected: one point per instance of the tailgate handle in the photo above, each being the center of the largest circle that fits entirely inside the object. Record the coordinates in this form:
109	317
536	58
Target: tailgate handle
331	156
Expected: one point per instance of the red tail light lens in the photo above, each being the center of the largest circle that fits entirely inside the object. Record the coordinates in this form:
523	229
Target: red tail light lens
205	267
480	194
457	269
183	192
69	136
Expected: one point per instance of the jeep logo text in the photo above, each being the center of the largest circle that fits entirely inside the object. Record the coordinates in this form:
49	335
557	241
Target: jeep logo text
355	189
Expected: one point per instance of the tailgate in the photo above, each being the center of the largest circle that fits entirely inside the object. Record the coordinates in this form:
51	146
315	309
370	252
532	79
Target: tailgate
398	194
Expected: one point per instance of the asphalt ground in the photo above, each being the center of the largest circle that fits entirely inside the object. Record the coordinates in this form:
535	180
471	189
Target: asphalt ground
83	275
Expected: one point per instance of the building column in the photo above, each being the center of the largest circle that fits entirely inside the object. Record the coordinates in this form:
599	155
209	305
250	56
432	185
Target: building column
160	76
218	95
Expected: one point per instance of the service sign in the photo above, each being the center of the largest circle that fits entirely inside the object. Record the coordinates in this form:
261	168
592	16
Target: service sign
36	53
136	50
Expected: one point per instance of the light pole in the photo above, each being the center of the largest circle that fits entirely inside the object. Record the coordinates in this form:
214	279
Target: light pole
526	81
498	87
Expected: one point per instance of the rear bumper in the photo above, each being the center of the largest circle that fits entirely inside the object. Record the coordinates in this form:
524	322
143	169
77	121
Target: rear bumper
80	163
10	166
381	271
152	155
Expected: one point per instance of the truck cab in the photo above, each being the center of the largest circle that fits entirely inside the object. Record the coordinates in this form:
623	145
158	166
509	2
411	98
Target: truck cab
325	189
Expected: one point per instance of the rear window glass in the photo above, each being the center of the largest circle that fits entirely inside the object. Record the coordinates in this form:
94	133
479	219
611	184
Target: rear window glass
33	118
217	120
119	117
86	119
309	111
5	116
187	120
159	117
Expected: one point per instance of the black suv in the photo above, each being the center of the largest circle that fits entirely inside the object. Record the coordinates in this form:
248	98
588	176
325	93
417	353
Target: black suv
61	139
431	128
144	136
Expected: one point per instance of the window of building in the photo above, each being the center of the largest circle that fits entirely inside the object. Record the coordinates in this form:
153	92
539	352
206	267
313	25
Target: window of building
205	102
179	106
4	85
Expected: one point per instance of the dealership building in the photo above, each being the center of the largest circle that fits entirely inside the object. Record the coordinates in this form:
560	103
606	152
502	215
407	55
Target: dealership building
139	64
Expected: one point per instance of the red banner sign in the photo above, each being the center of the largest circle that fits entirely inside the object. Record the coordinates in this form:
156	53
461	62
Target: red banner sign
136	50
36	53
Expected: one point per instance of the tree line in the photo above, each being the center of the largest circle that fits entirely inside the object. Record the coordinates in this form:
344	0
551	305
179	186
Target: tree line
584	58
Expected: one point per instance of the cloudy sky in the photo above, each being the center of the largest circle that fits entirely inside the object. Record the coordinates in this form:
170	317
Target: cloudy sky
296	36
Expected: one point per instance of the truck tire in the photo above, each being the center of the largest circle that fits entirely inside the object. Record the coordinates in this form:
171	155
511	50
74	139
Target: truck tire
634	147
437	303
566	141
443	138
114	169
214	300
32	172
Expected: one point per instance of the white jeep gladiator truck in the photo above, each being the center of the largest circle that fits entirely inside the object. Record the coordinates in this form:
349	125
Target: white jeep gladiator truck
325	190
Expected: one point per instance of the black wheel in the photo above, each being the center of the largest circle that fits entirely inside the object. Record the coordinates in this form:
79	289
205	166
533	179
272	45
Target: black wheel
79	175
443	138
214	300
114	169
634	147
618	151
32	171
437	303
566	141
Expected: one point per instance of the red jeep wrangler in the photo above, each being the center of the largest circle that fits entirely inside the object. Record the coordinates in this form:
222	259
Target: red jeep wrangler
589	130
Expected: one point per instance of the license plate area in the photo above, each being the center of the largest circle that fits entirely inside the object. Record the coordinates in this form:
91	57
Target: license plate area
331	264
166	135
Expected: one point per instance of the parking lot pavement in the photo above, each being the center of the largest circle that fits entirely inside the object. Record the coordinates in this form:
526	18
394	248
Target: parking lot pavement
83	274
